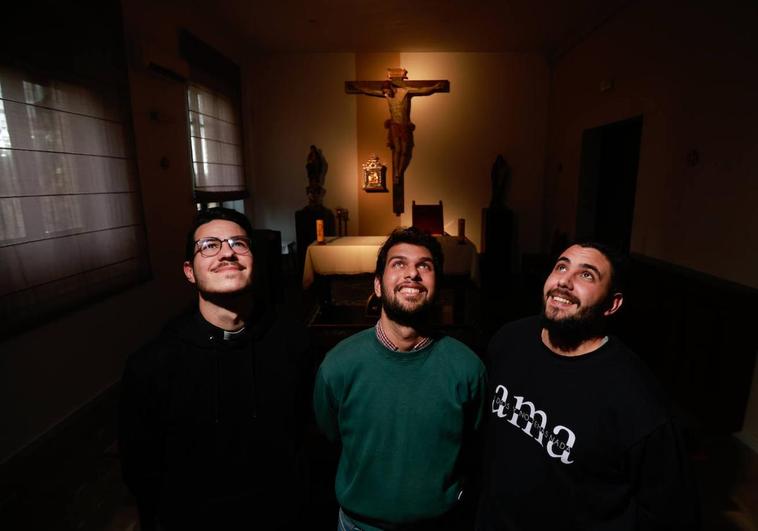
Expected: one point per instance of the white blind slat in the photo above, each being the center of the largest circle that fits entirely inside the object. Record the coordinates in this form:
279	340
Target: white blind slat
22	88
40	129
45	173
202	126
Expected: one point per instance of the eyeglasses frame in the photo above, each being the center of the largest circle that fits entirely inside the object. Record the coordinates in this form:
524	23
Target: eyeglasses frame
228	241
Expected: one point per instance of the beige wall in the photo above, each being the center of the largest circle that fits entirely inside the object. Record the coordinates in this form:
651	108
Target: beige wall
690	71
497	104
299	100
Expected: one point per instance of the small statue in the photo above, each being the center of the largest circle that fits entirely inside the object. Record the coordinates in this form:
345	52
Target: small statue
499	245
314	213
316	167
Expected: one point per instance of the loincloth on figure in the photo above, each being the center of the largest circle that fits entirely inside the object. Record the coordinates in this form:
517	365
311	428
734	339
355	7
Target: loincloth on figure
399	132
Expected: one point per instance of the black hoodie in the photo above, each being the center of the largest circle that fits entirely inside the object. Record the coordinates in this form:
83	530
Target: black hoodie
210	429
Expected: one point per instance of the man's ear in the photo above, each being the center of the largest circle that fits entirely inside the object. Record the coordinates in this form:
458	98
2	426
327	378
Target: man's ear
617	299
189	272
377	286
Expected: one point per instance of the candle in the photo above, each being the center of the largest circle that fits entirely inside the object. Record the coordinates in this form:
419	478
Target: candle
461	230
320	231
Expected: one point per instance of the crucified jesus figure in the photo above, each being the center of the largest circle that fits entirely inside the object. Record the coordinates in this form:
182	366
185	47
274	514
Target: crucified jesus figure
398	93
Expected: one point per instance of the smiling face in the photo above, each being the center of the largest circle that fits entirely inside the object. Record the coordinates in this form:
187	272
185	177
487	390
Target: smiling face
407	286
225	273
579	286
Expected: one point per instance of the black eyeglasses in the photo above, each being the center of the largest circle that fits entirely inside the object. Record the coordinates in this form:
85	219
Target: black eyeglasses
209	247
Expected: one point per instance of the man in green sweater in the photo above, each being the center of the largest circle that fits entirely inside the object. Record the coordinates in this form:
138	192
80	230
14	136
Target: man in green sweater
404	403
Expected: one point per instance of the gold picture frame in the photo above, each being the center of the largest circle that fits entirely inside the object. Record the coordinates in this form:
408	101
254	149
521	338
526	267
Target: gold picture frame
374	175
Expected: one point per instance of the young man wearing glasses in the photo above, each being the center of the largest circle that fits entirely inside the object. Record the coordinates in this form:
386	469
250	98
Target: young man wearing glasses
213	410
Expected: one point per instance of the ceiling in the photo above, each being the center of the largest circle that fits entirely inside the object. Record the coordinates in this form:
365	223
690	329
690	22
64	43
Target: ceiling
550	27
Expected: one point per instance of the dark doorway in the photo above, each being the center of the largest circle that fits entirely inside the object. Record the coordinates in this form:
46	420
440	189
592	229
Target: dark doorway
607	183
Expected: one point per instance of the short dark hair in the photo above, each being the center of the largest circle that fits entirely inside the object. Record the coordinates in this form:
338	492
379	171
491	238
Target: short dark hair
615	258
206	216
413	236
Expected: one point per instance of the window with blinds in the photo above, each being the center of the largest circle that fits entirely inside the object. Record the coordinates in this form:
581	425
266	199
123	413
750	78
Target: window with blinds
215	123
71	226
216	139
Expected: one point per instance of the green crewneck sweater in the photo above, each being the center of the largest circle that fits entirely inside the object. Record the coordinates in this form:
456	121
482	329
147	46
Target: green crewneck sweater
403	419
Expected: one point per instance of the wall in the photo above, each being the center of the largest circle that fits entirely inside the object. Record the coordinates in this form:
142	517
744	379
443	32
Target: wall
497	104
51	371
299	100
689	69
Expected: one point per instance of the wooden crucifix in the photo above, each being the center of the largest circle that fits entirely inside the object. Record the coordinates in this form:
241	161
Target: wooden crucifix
398	93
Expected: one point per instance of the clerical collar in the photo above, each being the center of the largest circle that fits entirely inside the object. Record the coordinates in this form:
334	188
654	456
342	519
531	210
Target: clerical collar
231	335
389	345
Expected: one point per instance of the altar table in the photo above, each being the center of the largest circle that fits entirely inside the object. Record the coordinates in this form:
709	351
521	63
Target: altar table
352	255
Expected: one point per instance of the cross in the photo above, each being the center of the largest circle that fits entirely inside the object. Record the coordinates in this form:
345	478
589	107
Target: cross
398	93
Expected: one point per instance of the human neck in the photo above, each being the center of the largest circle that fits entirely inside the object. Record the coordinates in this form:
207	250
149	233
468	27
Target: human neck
227	314
583	347
404	337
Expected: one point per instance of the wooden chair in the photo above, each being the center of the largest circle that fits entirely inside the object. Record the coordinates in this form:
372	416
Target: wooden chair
428	218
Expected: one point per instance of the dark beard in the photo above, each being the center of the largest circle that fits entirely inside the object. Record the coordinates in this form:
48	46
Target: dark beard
567	334
418	318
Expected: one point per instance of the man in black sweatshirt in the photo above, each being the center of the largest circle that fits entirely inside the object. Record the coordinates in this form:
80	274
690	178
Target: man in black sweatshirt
212	412
579	436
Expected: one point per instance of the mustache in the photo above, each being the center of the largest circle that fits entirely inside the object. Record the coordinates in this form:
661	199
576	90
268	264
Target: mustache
225	263
565	294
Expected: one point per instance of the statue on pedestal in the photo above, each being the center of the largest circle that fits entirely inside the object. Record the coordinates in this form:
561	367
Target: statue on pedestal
305	218
316	167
